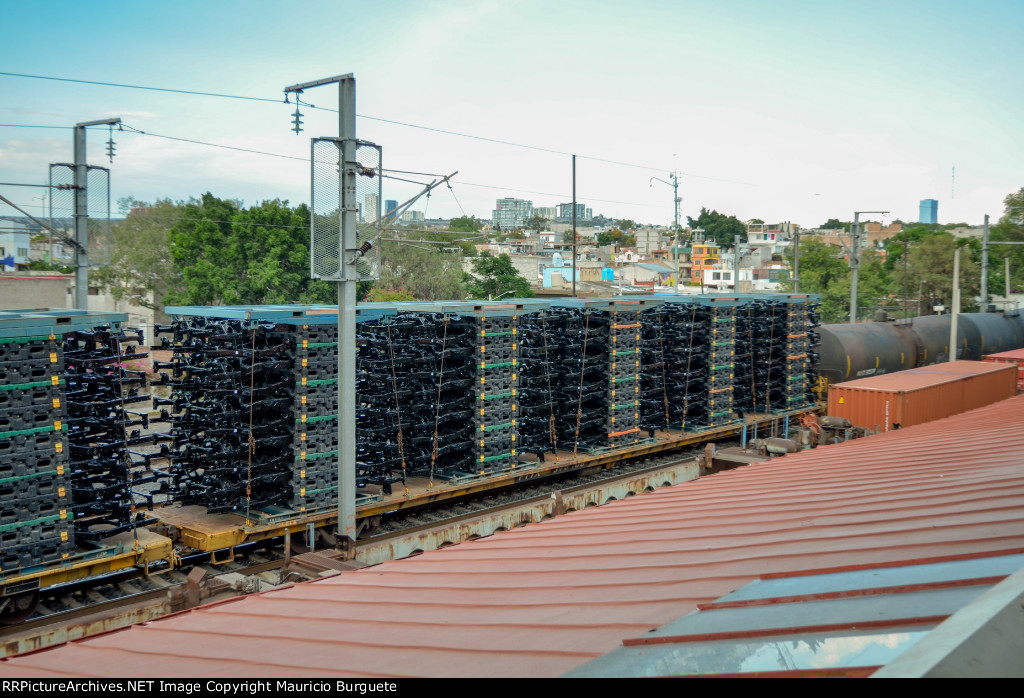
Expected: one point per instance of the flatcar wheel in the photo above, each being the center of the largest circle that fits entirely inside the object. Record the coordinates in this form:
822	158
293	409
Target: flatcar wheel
18	608
298	543
327	536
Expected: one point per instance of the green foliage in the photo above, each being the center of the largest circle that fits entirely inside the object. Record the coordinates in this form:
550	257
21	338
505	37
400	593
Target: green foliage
719	227
465	224
626	224
568	237
756	220
42	265
835	224
422	272
228	255
141	262
616	237
388	295
930	264
536	222
496	277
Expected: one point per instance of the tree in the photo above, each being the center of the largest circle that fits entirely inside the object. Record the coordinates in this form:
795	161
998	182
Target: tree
626	224
1010	228
228	255
834	224
757	220
421	272
930	263
718	227
616	237
496	277
537	223
141	270
465	224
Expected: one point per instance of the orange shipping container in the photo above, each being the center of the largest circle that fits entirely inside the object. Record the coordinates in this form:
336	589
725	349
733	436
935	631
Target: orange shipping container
1010	357
920	395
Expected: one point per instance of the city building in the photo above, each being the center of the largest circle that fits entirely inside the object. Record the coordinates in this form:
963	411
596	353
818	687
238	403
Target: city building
371	208
390	205
412	216
929	212
15	243
582	212
548	212
703	255
510	213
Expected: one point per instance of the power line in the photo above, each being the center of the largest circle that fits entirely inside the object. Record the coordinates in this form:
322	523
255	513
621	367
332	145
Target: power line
132	129
141	87
380	119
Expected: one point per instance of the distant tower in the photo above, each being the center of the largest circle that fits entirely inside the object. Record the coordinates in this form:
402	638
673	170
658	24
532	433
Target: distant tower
929	211
390	205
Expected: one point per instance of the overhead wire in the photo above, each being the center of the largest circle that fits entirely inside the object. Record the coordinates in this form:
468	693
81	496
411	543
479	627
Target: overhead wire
396	122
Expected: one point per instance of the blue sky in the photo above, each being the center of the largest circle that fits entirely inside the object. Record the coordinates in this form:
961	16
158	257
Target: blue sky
783	110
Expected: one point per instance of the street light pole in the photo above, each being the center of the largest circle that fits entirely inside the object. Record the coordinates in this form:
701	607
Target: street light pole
675	203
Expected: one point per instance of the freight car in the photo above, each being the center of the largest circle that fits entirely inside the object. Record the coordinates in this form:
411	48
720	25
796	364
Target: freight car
871	348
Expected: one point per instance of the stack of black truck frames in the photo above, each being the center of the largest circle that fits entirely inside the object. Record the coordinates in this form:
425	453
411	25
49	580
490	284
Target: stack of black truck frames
568	347
414	395
101	390
35	487
675	363
231	380
462	388
67	471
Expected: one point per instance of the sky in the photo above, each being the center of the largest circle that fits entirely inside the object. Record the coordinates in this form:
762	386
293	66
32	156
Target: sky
789	110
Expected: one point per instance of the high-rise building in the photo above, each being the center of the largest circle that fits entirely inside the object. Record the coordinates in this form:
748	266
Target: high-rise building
371	208
389	208
510	213
582	212
929	211
549	212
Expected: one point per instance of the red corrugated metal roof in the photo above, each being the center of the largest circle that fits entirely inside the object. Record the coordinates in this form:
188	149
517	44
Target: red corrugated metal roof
543	599
1013	355
923	376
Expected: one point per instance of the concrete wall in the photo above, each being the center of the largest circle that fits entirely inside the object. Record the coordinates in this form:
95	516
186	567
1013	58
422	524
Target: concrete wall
29	289
44	289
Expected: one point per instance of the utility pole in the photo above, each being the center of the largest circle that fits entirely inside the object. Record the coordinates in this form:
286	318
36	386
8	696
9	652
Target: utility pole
796	261
735	264
347	283
984	267
82	213
955	310
855	262
573	226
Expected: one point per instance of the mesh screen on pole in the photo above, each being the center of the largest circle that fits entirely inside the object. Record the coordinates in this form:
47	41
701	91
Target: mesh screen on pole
328	202
62	208
98	189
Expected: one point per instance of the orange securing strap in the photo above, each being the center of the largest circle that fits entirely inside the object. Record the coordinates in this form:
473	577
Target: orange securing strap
625	327
623	433
798	356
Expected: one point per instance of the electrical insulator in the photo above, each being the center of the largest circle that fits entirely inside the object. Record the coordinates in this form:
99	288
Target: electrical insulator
110	150
297	121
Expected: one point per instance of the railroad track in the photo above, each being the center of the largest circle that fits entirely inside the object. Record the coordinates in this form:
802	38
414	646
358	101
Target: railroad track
69	606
